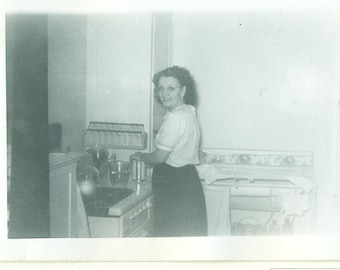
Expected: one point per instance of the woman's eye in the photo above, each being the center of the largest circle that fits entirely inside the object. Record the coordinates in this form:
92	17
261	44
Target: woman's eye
168	89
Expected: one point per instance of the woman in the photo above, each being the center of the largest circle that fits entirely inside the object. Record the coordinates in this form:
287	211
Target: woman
178	195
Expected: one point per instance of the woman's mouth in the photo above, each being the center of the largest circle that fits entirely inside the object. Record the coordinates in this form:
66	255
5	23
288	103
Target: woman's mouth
166	99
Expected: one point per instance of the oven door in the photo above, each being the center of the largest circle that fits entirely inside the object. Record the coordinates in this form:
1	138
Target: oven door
138	221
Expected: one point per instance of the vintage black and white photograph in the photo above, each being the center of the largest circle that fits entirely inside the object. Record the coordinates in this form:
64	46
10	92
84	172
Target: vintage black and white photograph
178	125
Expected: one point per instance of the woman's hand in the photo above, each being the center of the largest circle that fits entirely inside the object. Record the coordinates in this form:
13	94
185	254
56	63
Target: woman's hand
137	156
158	156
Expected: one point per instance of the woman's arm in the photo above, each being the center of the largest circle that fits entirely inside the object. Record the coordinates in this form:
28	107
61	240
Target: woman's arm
158	156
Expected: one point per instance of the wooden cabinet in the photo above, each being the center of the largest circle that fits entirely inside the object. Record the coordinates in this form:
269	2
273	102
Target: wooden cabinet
63	194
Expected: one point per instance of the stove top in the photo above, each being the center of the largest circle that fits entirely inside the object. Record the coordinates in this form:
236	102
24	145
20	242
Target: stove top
99	203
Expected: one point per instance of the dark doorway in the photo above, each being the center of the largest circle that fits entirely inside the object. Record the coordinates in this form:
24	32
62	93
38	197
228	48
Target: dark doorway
27	89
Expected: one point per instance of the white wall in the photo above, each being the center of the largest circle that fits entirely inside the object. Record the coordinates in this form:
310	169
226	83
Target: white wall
119	68
267	80
67	77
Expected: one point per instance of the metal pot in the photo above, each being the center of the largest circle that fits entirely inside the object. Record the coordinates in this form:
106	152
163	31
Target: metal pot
137	170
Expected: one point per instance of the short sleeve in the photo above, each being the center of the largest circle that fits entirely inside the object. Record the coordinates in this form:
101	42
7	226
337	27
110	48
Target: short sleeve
170	132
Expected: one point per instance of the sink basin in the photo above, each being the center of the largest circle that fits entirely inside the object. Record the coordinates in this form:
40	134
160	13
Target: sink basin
102	199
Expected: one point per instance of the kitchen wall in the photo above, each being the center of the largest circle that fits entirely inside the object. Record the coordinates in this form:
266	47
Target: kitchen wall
67	69
123	52
268	80
119	66
162	50
100	69
119	70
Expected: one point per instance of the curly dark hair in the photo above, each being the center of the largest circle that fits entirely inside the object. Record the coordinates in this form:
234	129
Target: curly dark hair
184	77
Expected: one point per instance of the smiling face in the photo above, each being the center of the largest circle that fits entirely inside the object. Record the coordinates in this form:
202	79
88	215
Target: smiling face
170	92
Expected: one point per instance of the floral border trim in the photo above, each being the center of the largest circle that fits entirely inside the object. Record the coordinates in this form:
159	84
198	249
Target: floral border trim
275	160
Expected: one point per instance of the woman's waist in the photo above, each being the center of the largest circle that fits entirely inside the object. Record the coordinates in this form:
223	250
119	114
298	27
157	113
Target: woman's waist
167	169
181	160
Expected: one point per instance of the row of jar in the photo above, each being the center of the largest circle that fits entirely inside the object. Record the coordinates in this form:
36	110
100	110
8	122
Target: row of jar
124	127
116	139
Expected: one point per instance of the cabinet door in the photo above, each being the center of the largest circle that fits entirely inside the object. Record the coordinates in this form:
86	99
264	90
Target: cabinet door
63	202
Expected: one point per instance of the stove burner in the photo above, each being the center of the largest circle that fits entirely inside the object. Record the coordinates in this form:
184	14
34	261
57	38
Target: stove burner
99	203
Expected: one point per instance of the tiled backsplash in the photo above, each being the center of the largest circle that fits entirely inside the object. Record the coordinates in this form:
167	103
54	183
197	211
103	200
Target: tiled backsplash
257	157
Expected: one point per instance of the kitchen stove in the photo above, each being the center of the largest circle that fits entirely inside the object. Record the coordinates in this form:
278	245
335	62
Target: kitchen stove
116	208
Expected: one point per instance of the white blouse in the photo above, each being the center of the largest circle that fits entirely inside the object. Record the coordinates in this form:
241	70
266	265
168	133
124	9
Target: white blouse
180	135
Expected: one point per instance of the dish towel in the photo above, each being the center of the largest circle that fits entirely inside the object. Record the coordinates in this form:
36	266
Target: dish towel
306	184
207	172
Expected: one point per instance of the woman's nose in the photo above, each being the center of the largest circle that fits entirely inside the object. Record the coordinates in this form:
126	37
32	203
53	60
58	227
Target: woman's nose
165	91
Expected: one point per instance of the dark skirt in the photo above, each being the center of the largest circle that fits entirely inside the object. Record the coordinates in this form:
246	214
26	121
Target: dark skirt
179	204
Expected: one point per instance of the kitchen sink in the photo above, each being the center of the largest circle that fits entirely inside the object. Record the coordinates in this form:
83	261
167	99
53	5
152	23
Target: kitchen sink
102	199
